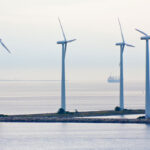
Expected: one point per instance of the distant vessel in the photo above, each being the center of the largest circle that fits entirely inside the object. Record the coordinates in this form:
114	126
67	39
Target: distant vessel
112	79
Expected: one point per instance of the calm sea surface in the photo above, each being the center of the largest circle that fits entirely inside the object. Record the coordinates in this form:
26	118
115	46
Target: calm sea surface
19	97
44	96
64	136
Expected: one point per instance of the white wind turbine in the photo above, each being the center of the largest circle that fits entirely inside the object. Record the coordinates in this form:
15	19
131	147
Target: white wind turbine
147	81
122	46
64	48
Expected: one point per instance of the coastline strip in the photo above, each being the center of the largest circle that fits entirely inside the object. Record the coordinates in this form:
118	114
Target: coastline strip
74	120
70	117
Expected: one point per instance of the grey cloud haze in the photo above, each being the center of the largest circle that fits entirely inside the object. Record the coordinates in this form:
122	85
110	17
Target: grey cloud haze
30	29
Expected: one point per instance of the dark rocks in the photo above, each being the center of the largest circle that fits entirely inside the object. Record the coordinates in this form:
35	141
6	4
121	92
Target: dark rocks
63	116
61	111
74	120
117	108
141	117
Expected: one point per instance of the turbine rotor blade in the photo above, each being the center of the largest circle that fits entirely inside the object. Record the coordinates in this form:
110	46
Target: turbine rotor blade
141	32
5	46
129	45
70	40
62	29
121	30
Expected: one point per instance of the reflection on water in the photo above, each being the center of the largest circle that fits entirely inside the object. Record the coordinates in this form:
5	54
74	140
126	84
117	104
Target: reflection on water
69	136
44	96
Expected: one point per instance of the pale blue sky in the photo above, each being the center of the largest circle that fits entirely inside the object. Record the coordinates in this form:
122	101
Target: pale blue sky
30	30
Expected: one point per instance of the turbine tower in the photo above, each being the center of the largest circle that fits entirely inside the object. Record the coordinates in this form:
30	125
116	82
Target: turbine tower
122	46
64	48
147	82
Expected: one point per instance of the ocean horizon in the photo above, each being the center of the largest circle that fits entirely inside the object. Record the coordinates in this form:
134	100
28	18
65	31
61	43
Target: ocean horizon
43	96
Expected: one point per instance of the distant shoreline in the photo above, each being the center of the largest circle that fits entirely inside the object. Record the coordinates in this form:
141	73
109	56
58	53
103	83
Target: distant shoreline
70	117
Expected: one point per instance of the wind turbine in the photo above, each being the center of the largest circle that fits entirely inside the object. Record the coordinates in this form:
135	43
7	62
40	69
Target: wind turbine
4	46
64	48
122	46
147	82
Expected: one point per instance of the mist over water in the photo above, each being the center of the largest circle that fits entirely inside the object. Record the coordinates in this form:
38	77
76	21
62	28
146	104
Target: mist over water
26	97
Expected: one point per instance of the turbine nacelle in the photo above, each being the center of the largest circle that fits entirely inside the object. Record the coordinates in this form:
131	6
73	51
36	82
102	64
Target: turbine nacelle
145	37
124	44
61	42
65	42
121	43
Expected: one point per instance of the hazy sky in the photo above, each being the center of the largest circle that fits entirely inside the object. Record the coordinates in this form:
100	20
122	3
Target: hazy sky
30	29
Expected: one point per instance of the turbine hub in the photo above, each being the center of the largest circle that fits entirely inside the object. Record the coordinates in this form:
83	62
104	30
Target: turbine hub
118	44
61	42
145	38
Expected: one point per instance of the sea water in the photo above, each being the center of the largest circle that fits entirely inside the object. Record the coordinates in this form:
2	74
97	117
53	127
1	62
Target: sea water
77	136
26	97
